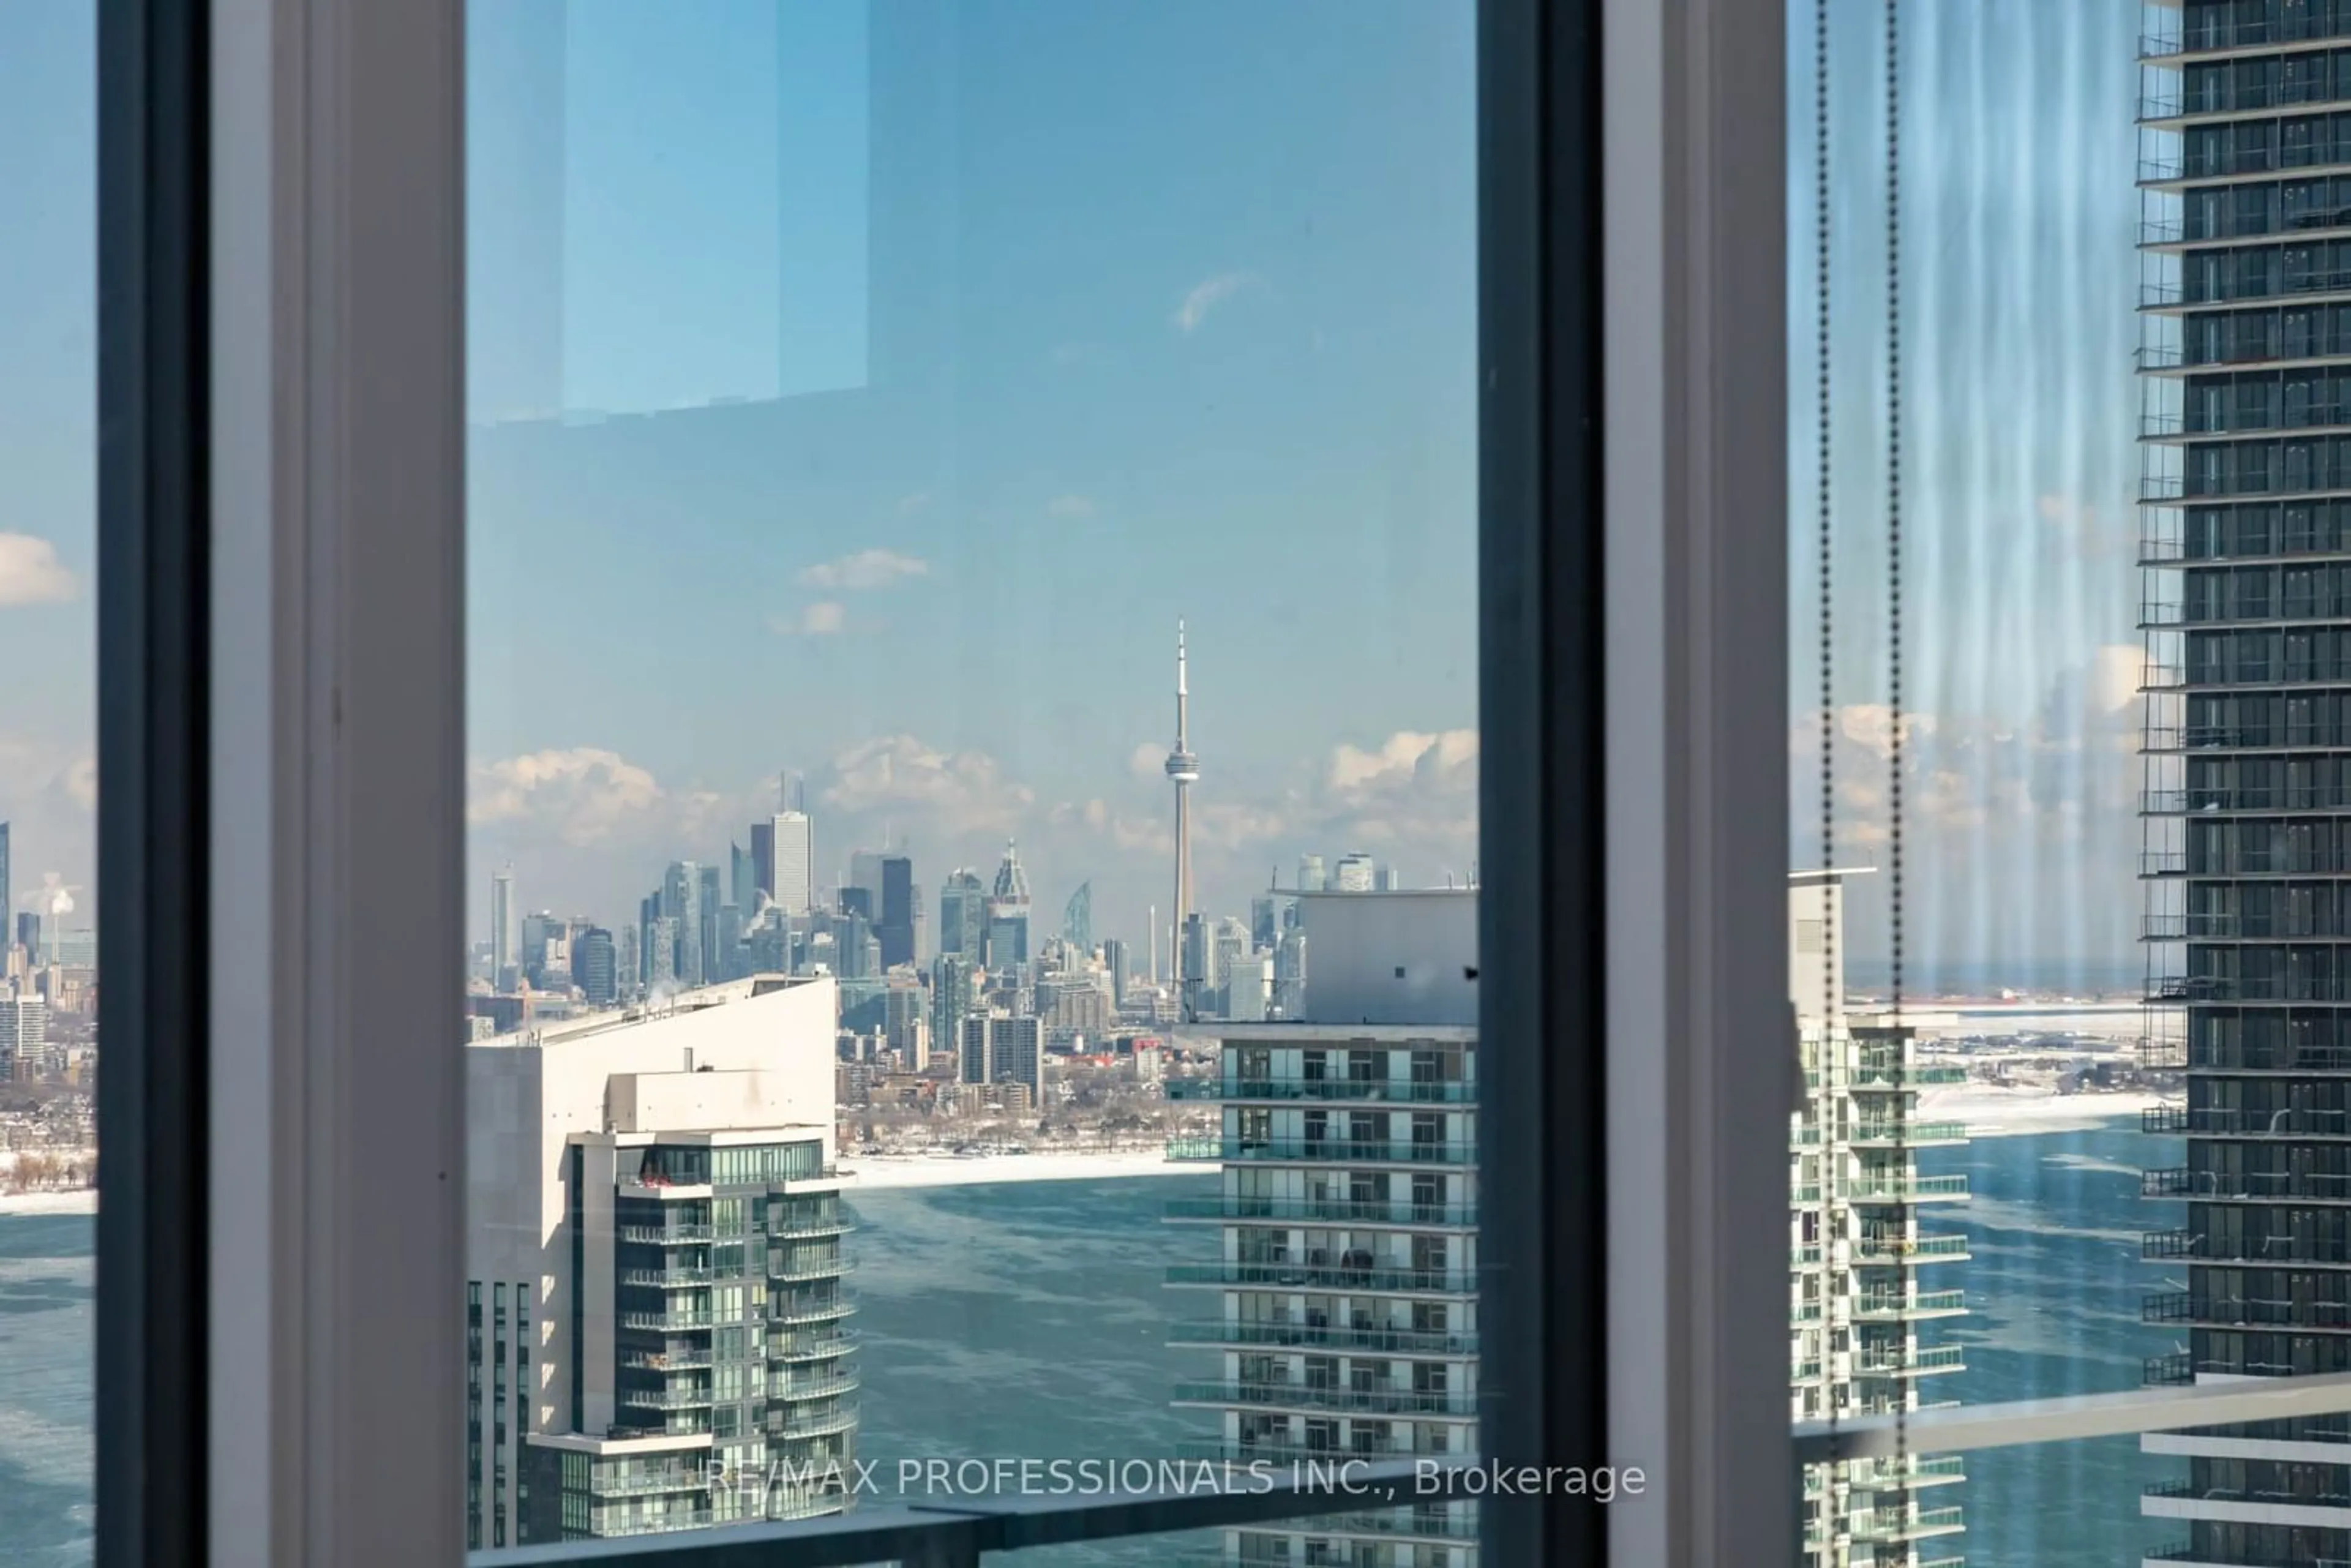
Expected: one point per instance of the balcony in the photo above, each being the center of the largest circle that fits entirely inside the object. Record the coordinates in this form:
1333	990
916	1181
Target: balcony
1395	1091
1328	1277
643	1485
1901	1524
1895	1078
666	1321
810	1424
811	1313
813	1387
1458	1402
810	1230
1367	1211
810	1347
1873	1250
2167	1371
1323	1336
665	1235
1892	1307
1216	1451
1908	1189
803	1271
1318	1151
667	1361
1928	1361
694	1398
2216	34
667	1279
1906	1133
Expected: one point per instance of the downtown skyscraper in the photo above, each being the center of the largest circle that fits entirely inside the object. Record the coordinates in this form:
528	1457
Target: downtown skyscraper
2245	369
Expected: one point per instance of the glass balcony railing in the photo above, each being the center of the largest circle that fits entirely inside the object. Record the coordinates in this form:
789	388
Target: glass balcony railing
1459	1402
1924	1304
1872	1249
1329	1277
1366	1211
1432	1092
1908	1189
1382	1339
1340	1151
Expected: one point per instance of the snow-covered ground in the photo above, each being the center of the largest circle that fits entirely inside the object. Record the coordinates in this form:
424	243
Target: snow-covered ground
1992	1112
84	1201
951	1170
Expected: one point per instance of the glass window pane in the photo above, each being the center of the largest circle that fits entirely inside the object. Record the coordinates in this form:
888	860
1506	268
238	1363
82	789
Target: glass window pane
972	517
48	777
2066	702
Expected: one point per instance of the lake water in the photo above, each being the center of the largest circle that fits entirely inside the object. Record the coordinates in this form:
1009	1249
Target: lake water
1026	1320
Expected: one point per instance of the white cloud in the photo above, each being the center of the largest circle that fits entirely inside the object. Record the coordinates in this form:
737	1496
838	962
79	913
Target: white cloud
958	791
81	782
825	618
584	794
1148	761
30	572
1442	759
1206	296
868	569
1073	506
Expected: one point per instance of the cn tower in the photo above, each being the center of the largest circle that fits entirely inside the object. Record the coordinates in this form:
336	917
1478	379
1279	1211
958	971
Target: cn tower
1184	769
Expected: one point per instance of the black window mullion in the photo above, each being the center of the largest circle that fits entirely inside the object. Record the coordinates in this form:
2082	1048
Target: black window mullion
153	528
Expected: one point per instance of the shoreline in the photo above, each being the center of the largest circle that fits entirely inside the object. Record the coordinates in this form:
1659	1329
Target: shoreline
1992	1112
888	1172
77	1200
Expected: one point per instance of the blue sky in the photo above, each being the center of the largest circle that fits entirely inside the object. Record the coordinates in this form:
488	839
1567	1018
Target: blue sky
865	391
1067	320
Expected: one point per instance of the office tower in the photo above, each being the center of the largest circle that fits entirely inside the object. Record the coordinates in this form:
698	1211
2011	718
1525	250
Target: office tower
661	953
886	882
1007	915
730	943
504	932
530	955
763	857
1078	919
853	900
1310	874
1858	1245
7	886
706	910
681	906
28	936
1196	964
1184	769
1247	992
951	999
963	916
74	946
742	878
655	1311
595	967
1266	923
1230	938
625	963
1115	961
922	929
1352	873
1385	880
2244	737
792	865
1342	1310
1290	975
24	1037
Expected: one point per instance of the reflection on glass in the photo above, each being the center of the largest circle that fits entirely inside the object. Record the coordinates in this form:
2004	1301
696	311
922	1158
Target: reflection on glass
48	1041
971	543
2044	743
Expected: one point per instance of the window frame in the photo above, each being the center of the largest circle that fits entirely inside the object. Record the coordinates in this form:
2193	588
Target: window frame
153	733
